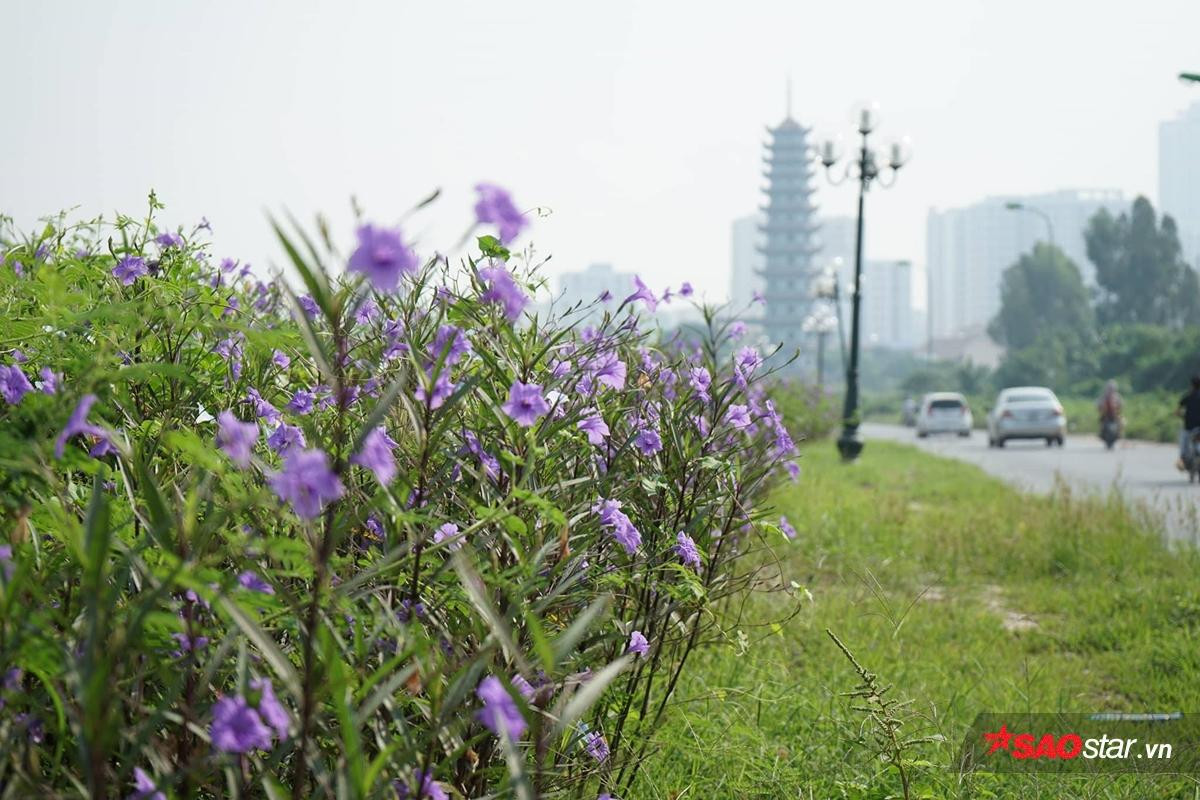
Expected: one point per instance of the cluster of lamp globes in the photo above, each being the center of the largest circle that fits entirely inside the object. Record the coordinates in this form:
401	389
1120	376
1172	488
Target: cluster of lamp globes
865	163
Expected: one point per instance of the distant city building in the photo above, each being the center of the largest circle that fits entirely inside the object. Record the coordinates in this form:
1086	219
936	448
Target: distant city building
789	232
586	285
746	262
838	237
968	249
888	319
1179	177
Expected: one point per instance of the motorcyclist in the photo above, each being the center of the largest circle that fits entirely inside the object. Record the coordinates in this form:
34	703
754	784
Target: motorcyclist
1189	410
1109	406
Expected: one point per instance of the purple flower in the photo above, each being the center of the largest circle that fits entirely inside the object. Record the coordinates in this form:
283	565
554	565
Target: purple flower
280	359
491	466
188	644
366	312
236	438
648	442
523	686
525	403
262	408
286	438
560	369
748	359
237	728
685	290
20	357
230	349
447	531
250	580
700	381
685	548
78	424
451	341
426	790
269	708
376	455
144	787
306	482
501	288
50	380
499	713
437	394
738	416
169	240
787	528
302	402
6	569
644	294
308	305
374	527
737	330
495	206
129	269
608	370
382	256
596	746
595	428
618	524
638	644
13	384
34	729
793	469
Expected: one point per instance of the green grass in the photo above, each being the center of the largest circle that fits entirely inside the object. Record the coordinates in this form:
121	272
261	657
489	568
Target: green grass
917	563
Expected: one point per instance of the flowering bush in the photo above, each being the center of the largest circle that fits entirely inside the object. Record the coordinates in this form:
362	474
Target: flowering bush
389	534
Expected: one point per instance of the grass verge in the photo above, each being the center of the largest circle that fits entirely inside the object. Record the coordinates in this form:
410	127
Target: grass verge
967	596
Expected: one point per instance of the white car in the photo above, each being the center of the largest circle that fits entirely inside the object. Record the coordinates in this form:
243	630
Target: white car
1026	412
944	412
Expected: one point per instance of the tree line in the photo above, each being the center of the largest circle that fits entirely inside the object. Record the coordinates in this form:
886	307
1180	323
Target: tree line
1139	324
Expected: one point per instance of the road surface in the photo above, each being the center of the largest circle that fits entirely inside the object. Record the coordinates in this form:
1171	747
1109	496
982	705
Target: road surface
1142	471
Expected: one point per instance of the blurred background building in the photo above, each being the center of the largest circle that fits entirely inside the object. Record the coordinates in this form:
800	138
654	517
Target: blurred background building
1179	177
790	239
967	250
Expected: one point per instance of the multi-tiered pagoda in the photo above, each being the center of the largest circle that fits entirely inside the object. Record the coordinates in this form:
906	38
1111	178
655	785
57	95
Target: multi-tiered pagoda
789	235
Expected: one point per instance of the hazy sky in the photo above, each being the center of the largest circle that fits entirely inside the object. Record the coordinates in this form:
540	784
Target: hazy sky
638	125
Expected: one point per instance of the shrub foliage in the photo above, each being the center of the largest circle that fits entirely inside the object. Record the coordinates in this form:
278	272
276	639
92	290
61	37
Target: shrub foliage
389	533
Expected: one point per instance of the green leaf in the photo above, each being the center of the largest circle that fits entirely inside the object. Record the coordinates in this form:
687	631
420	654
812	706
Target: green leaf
283	668
587	694
490	246
566	642
477	592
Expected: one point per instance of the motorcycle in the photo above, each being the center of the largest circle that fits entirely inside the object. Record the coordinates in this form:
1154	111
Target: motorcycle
1110	431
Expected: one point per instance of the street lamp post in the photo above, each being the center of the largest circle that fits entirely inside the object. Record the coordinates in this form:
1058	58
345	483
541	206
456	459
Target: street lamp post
821	322
865	169
1015	206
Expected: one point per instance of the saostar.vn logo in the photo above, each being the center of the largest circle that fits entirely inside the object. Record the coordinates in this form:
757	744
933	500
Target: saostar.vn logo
1067	746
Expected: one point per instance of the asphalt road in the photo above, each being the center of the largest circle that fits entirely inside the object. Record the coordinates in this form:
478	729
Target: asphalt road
1143	472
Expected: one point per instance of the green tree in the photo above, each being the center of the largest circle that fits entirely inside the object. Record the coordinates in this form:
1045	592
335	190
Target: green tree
1042	294
1140	271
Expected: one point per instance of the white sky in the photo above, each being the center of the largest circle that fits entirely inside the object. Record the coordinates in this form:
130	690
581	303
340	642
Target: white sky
639	124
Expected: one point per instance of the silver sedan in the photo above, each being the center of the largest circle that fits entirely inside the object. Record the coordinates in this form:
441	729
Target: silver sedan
1026	412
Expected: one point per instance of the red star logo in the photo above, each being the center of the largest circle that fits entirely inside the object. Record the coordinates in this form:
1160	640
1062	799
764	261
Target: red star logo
999	740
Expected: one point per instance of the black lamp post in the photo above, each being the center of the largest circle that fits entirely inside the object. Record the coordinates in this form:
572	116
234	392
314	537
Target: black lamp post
866	170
